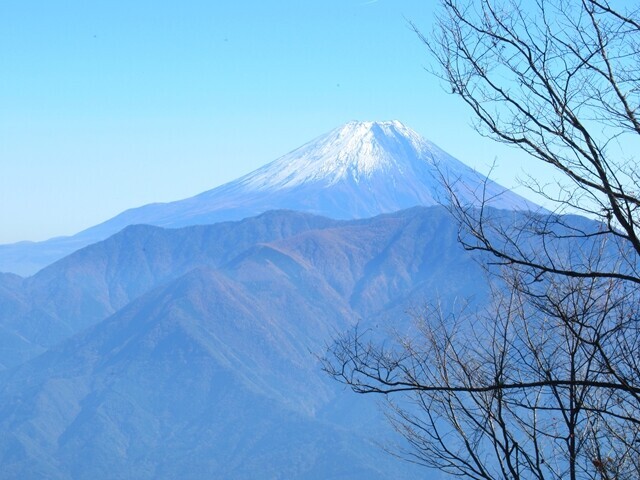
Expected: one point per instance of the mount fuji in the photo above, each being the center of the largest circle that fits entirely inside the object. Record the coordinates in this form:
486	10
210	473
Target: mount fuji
358	170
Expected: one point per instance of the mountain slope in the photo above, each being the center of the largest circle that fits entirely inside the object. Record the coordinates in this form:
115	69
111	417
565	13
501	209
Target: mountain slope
369	264
201	378
96	281
359	170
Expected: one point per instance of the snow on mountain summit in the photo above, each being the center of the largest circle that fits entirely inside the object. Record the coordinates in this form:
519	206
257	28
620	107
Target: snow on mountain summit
352	151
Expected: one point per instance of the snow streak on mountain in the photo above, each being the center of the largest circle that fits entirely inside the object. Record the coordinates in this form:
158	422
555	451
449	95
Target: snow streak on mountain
357	150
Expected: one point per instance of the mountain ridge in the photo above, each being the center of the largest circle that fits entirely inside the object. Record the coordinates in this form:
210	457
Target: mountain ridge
358	170
211	367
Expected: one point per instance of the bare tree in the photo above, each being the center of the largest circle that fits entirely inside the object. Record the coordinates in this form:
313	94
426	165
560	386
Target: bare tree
560	80
540	385
545	383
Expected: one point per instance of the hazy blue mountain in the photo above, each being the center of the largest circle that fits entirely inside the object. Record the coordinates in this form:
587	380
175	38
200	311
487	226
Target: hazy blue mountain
359	170
189	352
96	281
14	309
372	264
189	381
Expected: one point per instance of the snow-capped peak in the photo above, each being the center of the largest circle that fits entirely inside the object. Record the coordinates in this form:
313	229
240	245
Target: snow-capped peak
354	151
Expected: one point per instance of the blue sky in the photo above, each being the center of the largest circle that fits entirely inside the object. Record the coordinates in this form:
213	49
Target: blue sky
107	105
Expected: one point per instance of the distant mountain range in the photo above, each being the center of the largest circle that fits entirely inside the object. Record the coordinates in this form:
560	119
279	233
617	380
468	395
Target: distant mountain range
359	170
164	353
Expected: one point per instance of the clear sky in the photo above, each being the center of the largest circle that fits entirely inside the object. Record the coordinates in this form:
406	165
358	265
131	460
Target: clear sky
109	104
